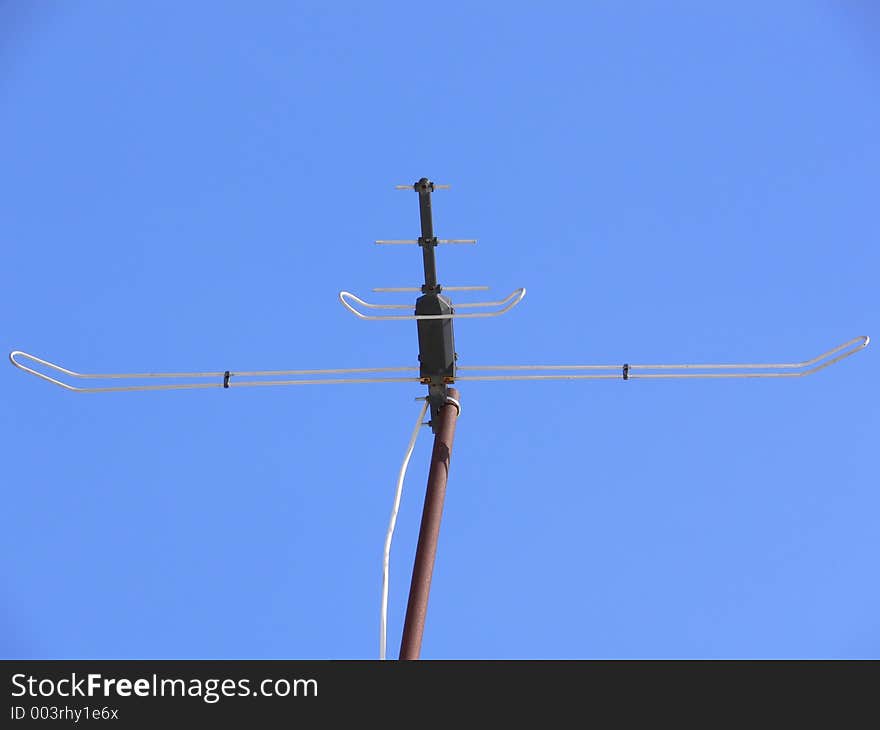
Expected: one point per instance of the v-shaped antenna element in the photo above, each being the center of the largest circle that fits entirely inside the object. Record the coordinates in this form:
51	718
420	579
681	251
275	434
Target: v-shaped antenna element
511	301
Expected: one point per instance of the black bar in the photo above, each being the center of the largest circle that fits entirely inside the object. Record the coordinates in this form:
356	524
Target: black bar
427	241
550	693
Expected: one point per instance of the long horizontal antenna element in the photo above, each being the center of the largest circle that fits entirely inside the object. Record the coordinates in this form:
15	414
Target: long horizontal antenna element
224	378
693	370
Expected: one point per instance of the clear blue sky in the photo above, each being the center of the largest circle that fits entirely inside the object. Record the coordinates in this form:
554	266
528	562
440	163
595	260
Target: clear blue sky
187	186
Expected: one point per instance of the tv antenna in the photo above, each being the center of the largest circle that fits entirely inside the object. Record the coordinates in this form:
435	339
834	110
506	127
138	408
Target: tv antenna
434	314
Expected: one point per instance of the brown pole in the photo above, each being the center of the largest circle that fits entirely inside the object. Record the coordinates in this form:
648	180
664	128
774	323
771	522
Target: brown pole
423	568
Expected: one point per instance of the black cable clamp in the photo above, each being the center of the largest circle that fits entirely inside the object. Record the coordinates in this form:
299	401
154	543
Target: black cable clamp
226	379
626	371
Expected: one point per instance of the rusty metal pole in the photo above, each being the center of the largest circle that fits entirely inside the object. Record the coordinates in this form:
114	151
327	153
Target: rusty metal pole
423	568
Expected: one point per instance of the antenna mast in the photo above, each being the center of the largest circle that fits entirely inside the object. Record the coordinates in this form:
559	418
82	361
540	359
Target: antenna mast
429	532
436	369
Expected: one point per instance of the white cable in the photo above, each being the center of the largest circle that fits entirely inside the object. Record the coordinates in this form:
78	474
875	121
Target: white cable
386	555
